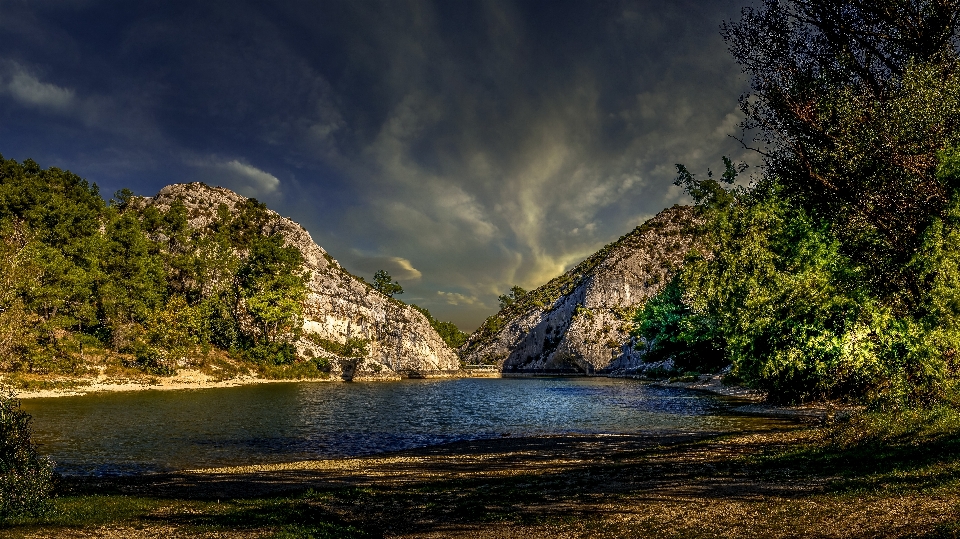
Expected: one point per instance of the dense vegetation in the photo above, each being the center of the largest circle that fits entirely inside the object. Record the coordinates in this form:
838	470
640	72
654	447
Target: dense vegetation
836	272
83	277
448	331
26	478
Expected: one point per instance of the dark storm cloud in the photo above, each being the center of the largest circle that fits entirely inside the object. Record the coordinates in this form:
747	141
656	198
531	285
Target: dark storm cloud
463	146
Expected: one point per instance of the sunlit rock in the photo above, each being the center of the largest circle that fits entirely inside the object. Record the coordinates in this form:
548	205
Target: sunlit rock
579	323
398	339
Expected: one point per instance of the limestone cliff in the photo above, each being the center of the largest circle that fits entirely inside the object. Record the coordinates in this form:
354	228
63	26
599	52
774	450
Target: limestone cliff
579	322
399	340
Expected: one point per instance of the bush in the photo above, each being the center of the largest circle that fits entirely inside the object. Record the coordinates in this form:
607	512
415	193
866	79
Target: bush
274	353
26	478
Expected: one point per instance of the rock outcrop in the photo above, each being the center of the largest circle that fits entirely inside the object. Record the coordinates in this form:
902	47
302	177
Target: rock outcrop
399	340
579	323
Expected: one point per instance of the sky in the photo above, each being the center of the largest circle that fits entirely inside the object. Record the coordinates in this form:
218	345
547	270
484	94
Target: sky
463	146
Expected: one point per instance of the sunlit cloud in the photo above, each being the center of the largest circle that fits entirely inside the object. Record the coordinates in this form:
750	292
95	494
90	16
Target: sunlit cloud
234	174
455	298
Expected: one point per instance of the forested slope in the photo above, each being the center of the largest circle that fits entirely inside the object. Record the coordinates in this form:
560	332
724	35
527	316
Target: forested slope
193	276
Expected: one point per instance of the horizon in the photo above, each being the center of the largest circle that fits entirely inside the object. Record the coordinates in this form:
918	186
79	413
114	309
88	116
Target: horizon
462	148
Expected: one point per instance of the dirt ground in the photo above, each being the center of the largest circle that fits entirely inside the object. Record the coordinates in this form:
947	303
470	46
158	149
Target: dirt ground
560	486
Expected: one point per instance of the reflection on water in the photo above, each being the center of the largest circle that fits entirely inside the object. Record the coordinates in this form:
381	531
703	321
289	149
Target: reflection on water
118	433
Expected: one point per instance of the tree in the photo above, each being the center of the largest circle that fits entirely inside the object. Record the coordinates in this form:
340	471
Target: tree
26	478
384	283
513	296
273	286
852	101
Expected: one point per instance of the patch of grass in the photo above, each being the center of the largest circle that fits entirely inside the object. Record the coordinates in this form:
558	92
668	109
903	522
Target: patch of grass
900	450
354	347
220	367
283	517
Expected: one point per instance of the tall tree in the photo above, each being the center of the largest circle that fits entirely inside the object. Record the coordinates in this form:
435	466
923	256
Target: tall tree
853	101
273	286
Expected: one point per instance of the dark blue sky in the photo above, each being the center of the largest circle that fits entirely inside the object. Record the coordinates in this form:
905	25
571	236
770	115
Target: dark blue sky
463	146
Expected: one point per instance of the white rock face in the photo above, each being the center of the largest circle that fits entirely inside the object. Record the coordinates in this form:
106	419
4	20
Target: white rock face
401	342
579	322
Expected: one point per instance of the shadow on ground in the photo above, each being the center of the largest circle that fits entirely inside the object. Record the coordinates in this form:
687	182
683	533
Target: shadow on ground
561	486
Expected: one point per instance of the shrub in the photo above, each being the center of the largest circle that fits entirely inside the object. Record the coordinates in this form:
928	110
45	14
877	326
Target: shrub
26	478
274	353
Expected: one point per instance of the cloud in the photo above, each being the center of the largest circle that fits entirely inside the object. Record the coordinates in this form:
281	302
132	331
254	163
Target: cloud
234	174
399	268
407	271
454	298
28	90
251	181
463	149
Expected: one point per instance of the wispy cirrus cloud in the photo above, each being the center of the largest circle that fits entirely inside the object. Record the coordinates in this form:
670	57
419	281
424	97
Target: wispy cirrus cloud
26	89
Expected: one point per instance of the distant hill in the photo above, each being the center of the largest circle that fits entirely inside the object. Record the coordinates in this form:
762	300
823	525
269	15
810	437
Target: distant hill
578	323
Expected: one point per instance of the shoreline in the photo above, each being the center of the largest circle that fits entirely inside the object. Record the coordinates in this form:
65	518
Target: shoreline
185	379
758	405
589	486
188	379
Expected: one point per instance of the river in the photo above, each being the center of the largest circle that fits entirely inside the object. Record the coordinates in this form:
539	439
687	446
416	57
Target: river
144	431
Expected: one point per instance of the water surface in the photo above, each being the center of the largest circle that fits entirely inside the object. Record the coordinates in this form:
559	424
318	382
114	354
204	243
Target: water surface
134	432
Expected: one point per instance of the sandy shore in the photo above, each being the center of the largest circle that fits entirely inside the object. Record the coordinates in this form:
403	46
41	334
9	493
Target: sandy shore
185	379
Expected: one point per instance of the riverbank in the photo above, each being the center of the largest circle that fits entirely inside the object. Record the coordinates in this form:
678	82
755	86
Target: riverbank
187	379
184	379
754	401
780	481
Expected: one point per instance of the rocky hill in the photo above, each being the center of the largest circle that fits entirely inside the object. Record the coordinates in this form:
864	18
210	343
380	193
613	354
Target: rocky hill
578	323
377	337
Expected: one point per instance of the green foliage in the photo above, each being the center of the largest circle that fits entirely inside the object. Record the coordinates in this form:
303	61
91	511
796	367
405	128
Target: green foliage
271	353
354	347
384	283
778	300
837	273
136	278
26	478
273	289
448	331
673	331
513	296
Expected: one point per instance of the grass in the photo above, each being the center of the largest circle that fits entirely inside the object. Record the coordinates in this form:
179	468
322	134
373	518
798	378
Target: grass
119	368
286	517
33	382
892	451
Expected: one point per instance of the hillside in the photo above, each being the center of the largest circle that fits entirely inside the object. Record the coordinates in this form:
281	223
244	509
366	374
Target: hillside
196	278
341	310
579	321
